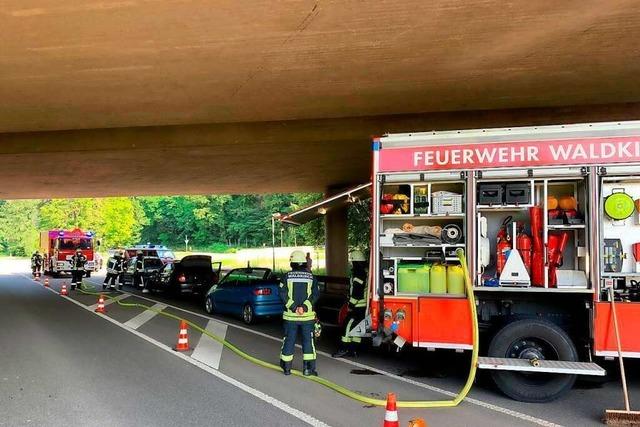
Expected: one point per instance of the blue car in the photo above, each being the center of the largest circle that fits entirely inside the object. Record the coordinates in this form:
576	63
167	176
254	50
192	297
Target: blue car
249	293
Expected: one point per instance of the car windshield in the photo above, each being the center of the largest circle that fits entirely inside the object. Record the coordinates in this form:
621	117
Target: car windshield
165	254
74	243
153	263
247	274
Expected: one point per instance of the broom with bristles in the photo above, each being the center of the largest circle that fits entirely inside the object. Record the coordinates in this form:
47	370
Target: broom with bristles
618	416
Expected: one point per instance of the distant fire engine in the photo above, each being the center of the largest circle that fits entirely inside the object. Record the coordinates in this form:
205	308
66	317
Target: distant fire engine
58	246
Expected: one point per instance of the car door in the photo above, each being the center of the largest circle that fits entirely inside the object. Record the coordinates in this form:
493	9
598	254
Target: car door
217	268
223	293
242	292
165	275
161	279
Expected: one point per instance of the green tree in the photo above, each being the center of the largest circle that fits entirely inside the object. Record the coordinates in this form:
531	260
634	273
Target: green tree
19	227
71	213
120	221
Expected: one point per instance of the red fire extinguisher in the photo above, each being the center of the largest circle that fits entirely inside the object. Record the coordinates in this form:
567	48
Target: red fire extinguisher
537	258
556	246
503	245
523	243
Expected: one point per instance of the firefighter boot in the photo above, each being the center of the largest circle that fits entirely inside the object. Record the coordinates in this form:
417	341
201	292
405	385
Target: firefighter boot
286	367
309	368
104	286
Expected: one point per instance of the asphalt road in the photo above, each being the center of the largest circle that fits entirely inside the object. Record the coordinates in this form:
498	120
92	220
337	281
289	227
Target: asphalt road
63	366
67	366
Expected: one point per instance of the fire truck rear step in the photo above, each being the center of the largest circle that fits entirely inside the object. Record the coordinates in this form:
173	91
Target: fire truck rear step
546	366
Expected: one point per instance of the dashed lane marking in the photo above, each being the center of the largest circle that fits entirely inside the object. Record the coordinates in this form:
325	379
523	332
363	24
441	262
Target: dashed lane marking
145	316
209	351
302	416
477	402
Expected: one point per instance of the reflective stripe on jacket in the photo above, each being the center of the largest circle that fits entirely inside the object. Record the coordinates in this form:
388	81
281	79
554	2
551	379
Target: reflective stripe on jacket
115	265
78	262
358	291
298	289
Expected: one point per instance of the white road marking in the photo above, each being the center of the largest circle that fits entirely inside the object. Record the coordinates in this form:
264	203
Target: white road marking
108	301
209	351
486	405
144	317
242	386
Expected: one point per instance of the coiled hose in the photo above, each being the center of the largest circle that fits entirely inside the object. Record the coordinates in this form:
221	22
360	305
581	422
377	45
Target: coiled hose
325	382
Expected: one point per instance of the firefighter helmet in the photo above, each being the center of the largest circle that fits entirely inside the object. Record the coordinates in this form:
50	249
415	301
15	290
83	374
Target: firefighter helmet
356	256
297	257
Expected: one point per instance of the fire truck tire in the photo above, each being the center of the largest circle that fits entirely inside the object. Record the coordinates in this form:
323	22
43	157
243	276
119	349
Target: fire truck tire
527	339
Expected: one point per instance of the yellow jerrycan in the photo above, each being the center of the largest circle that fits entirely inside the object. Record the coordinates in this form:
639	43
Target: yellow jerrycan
455	280
438	279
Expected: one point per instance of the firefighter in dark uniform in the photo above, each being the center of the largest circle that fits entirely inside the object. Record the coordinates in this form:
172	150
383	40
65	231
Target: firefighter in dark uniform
299	292
138	281
36	264
77	268
358	294
115	267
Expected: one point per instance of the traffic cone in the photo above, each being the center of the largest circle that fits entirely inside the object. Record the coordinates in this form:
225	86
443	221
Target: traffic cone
63	290
183	338
46	282
100	308
391	415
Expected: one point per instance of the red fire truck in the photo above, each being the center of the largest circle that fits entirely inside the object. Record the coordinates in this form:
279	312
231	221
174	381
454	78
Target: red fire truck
549	219
58	246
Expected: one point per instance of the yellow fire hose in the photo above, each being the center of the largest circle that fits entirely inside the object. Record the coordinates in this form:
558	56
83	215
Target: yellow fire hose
329	384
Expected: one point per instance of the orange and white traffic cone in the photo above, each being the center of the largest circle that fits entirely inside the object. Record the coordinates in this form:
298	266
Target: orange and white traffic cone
63	290
46	282
100	307
183	338
391	414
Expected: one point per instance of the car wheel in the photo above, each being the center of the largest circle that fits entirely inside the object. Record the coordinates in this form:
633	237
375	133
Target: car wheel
208	306
529	339
247	314
88	274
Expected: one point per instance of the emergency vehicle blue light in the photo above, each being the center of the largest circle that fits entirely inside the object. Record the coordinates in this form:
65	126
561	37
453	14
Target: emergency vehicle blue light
376	145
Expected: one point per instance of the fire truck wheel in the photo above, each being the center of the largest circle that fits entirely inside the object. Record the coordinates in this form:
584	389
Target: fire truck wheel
530	339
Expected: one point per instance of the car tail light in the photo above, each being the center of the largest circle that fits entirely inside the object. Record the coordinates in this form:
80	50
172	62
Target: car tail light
262	291
182	279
